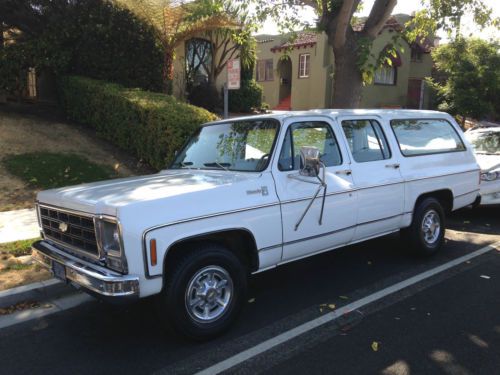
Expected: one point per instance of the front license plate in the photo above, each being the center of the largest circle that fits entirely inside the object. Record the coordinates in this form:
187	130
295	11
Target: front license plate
59	271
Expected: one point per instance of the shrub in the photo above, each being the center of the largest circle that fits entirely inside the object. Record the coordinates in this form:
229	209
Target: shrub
94	38
205	96
150	125
247	97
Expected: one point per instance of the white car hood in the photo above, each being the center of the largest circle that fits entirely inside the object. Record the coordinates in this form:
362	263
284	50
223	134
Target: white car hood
107	197
488	162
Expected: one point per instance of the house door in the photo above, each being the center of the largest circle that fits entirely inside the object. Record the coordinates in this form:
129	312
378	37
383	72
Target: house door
285	74
415	94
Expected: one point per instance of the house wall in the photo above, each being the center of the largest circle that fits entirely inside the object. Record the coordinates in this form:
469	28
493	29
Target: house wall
179	81
317	90
307	92
376	95
271	89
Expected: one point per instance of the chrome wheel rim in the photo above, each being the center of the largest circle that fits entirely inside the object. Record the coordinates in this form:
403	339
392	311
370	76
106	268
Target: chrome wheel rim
431	227
209	294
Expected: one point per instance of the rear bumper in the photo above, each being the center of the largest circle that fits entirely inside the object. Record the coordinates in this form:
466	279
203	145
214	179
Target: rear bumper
490	192
96	280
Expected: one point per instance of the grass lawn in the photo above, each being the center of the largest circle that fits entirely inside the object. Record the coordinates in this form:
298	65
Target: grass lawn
45	170
17	248
13	271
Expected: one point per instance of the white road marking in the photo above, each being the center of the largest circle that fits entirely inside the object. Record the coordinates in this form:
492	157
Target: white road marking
54	306
327	318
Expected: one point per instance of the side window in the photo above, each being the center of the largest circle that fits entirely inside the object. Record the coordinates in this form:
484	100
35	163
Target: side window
426	136
366	140
312	133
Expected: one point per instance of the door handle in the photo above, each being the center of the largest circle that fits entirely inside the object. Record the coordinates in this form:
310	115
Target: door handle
395	165
344	171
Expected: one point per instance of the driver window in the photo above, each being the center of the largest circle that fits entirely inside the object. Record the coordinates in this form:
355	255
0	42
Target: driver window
311	133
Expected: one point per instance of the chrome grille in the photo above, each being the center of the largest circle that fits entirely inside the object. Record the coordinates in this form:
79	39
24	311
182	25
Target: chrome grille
79	230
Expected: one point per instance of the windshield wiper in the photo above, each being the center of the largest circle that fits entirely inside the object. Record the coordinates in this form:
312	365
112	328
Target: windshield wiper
217	164
186	164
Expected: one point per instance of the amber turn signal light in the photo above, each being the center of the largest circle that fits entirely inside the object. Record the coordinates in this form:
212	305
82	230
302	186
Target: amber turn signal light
152	252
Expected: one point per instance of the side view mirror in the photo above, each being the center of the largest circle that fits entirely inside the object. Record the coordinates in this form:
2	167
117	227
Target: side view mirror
310	161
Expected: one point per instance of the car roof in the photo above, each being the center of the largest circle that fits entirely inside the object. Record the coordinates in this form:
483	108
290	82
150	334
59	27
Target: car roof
393	113
484	129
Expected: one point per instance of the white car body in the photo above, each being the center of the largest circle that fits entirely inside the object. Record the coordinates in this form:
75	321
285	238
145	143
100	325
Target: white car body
369	200
490	167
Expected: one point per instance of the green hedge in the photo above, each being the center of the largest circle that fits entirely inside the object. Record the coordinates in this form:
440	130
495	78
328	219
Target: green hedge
151	125
248	97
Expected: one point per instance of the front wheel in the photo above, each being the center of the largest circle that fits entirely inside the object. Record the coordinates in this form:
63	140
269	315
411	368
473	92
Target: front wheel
204	292
426	232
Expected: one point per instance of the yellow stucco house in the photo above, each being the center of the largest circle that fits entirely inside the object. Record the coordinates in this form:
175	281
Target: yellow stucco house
299	75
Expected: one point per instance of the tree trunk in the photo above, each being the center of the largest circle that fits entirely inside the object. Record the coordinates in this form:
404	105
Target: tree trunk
168	69
348	82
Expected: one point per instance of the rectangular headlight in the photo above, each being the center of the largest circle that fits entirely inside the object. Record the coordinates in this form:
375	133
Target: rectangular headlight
109	240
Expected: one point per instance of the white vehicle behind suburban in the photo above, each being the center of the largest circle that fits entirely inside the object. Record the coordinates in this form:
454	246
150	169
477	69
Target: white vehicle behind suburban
486	144
249	194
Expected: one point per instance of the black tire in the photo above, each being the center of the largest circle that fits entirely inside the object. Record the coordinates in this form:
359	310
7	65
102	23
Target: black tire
415	235
173	299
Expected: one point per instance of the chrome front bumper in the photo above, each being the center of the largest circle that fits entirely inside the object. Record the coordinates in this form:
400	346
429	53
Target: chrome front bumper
97	280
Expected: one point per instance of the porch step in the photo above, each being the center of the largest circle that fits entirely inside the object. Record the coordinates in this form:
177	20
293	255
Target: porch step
285	104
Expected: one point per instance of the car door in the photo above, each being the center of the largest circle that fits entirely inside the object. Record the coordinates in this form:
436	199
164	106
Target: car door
376	175
295	194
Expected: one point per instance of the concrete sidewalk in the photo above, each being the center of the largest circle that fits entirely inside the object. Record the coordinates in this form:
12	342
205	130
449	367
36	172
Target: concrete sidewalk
18	225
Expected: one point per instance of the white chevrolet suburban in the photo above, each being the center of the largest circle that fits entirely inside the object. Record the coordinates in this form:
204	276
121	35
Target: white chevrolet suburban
249	194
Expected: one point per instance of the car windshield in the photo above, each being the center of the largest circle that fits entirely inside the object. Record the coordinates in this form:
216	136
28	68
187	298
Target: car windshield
487	142
236	146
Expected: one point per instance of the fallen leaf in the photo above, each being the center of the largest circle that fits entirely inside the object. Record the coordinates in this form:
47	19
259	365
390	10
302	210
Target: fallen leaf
375	346
251	300
466	222
485	277
331	306
343	297
369	262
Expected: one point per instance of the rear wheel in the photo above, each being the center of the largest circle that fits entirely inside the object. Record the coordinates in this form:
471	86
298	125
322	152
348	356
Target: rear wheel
426	232
204	292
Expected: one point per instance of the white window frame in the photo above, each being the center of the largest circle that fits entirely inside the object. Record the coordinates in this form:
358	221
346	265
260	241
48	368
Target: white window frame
385	75
304	65
263	72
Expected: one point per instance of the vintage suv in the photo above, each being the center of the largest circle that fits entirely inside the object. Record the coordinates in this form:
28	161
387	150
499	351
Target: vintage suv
248	194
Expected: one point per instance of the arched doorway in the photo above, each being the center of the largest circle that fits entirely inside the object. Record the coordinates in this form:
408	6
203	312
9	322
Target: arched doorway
285	74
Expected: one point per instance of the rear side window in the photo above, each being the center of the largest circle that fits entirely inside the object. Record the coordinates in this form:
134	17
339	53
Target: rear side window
311	133
366	140
426	136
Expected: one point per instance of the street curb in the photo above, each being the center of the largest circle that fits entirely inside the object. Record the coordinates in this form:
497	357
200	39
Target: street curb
40	291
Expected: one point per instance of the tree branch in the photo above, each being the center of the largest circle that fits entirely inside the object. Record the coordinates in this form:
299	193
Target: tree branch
343	21
380	13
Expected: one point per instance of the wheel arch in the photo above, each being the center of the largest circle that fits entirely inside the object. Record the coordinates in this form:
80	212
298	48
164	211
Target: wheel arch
241	241
444	196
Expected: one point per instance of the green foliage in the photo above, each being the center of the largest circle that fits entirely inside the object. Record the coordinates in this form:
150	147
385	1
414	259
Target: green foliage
13	68
151	125
206	96
46	170
248	97
17	248
447	15
95	38
471	68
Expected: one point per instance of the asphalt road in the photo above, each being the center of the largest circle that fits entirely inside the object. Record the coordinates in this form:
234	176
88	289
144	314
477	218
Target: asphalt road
448	324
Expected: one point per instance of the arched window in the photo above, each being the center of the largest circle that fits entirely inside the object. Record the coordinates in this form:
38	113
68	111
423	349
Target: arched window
198	61
387	74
